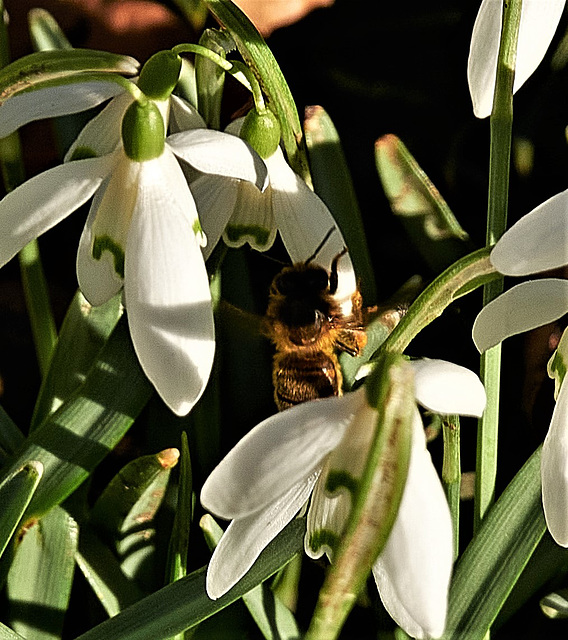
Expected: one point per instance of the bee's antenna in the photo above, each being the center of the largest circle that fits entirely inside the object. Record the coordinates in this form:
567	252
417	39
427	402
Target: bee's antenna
320	245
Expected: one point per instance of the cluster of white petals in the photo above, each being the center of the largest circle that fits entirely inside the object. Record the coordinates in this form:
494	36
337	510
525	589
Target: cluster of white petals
267	478
537	242
143	220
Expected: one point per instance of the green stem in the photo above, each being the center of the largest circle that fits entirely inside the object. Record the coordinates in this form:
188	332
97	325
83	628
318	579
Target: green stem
451	472
227	66
501	123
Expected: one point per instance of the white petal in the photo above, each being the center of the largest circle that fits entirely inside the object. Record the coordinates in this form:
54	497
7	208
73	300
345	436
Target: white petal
304	220
219	154
101	135
166	287
51	102
554	470
523	307
46	199
277	453
327	517
97	279
539	20
537	242
414	569
183	116
215	198
245	539
447	388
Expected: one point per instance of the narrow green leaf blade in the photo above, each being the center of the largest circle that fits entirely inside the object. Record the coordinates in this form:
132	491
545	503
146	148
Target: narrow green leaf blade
44	65
259	58
10	435
40	578
84	331
413	197
333	184
15	495
45	32
102	571
7	634
185	603
74	439
494	560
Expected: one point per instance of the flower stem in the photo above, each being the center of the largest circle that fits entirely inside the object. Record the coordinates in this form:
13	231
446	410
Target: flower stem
451	471
501	123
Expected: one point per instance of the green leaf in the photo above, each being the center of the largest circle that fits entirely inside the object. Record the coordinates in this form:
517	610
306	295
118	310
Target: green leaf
40	578
16	491
76	437
185	603
48	65
45	32
179	540
259	58
126	509
102	570
333	184
273	618
495	558
84	331
7	634
10	436
413	197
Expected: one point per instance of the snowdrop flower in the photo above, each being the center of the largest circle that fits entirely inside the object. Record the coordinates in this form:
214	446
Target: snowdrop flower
536	243
270	474
142	232
539	20
288	206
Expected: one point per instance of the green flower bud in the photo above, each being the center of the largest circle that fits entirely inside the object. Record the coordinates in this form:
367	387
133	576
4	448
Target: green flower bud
143	131
159	75
558	363
262	131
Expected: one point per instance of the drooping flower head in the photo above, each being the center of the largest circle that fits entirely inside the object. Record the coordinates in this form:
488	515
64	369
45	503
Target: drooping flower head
267	478
143	231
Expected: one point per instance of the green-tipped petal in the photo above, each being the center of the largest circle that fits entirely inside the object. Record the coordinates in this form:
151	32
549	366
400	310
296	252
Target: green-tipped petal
43	201
447	388
554	471
524	307
101	135
220	154
539	20
277	453
244	539
166	286
98	279
51	102
414	569
537	242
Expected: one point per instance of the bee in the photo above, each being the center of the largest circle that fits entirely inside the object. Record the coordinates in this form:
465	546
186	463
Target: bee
307	325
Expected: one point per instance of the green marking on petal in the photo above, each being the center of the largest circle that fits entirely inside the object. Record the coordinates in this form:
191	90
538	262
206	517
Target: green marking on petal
197	229
106	243
338	479
323	538
83	153
236	232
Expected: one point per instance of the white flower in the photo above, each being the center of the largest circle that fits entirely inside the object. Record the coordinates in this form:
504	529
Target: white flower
536	243
287	206
539	20
267	478
142	233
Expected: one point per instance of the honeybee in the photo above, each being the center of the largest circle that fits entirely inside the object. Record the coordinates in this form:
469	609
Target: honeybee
307	326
